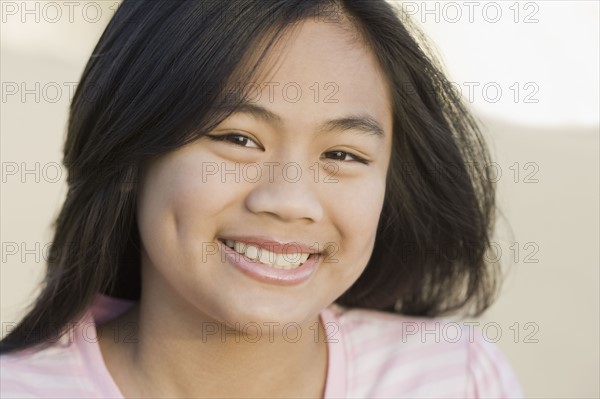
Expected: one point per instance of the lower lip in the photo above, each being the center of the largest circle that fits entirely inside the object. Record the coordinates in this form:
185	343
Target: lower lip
261	272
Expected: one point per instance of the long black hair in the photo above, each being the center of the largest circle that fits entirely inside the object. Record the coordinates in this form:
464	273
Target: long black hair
157	81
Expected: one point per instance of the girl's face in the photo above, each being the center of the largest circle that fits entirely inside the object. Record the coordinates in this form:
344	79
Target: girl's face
305	162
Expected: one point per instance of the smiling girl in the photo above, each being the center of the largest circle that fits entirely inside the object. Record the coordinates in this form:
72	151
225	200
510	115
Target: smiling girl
266	199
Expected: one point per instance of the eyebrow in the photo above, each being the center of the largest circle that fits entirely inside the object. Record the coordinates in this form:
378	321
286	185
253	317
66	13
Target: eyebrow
363	124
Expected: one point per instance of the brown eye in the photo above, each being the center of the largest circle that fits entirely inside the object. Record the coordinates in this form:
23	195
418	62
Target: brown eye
237	139
345	157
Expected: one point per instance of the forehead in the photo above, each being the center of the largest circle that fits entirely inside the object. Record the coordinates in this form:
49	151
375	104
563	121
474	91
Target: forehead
319	71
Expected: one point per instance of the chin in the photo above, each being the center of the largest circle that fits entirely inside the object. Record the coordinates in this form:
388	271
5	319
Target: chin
269	314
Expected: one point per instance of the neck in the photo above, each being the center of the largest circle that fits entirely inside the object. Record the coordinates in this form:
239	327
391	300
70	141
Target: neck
187	354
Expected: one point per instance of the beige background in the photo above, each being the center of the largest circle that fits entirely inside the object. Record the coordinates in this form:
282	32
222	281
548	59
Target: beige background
554	221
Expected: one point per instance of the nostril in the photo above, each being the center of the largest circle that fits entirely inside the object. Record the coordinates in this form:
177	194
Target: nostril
286	203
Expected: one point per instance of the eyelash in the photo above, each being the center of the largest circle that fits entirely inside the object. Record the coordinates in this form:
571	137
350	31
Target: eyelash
356	157
227	137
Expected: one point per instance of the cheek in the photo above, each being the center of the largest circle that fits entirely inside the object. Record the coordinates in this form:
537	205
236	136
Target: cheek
180	189
176	210
356	214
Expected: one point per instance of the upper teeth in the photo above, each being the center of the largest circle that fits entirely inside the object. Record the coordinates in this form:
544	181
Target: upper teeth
280	261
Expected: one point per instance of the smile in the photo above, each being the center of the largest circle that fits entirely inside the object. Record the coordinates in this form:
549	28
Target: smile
269	261
288	260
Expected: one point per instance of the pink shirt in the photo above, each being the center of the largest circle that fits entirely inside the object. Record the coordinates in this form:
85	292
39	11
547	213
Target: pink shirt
370	354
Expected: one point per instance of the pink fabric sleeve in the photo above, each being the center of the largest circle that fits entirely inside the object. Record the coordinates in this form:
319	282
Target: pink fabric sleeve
489	372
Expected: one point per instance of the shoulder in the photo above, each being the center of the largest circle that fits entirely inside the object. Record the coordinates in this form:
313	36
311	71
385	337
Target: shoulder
395	355
490	373
58	369
54	370
69	367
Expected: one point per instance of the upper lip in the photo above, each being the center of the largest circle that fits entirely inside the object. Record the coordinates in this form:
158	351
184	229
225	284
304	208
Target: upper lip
275	246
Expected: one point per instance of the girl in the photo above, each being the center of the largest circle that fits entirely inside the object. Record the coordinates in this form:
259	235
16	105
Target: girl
266	199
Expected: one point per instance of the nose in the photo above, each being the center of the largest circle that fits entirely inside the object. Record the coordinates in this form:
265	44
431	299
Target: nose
287	193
